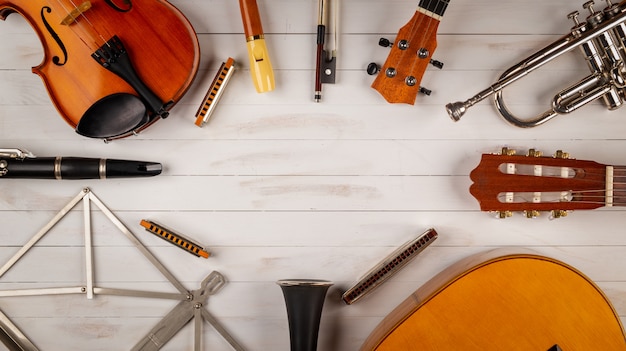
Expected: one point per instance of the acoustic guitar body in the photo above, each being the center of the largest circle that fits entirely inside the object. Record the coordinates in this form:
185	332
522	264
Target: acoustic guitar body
496	301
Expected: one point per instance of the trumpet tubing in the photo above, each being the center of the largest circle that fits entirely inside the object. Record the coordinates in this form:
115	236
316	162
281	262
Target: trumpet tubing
602	40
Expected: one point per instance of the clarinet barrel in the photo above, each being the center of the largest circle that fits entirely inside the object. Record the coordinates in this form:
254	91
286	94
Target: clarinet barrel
304	299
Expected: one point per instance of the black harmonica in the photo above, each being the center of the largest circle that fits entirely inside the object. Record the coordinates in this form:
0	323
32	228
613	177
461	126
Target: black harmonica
175	238
389	266
215	92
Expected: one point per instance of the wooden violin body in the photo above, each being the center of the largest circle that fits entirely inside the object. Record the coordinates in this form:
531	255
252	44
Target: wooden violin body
151	36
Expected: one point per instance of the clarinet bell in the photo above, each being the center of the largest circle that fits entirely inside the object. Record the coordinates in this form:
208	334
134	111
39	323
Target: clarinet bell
304	299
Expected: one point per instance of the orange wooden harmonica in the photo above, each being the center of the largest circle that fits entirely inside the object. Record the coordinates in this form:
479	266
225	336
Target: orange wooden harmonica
175	238
215	92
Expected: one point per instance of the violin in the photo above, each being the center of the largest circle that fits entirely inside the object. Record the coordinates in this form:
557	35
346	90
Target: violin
111	67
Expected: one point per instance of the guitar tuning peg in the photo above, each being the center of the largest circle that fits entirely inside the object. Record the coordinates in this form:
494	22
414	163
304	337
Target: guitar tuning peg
507	152
373	68
534	153
531	213
384	42
436	63
558	214
504	214
561	154
425	91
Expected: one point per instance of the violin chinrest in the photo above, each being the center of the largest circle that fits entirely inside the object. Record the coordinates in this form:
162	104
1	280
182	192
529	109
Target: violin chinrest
112	116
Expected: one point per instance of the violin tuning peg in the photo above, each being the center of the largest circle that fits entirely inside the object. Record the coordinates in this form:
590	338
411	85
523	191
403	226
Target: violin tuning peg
373	68
384	42
425	91
436	63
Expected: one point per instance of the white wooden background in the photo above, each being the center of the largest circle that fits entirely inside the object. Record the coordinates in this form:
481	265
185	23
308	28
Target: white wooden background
278	186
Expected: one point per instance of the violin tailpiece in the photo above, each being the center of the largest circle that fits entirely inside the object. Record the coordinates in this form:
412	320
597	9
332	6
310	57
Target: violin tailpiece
114	57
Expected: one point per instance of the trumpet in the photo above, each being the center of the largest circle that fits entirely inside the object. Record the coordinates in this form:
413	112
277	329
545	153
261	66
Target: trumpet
602	40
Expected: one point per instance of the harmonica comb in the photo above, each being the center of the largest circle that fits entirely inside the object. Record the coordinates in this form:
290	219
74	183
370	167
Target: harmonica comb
175	238
215	92
389	266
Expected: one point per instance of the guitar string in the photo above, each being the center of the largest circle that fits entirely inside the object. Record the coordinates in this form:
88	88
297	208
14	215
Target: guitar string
431	29
587	195
619	194
425	34
397	40
586	173
413	33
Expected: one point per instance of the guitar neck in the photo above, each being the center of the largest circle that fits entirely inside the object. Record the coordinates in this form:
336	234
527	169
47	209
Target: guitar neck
433	8
616	186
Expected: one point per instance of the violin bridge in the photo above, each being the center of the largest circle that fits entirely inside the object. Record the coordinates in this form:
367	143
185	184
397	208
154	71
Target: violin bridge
77	11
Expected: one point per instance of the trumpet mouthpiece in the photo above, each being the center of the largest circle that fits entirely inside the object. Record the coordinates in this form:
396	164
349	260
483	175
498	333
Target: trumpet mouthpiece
456	110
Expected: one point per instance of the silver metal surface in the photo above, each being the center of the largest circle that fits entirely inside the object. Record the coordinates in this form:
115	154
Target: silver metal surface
18	154
138	244
600	41
42	232
12	337
183	313
191	304
389	266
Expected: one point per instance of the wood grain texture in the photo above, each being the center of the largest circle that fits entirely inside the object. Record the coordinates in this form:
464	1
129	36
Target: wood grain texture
495	301
280	187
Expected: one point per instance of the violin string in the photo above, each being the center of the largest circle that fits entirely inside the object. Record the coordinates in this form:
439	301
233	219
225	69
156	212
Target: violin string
84	16
89	32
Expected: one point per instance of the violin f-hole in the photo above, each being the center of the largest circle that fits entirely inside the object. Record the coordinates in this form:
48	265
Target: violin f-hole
119	9
56	60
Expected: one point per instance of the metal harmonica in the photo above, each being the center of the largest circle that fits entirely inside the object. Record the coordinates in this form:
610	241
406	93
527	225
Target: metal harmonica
215	92
389	266
175	238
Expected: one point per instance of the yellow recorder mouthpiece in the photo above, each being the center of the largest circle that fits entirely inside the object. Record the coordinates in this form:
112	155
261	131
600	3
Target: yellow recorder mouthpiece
260	64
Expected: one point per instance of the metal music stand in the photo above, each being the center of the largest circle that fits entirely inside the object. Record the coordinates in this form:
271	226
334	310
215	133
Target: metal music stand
191	305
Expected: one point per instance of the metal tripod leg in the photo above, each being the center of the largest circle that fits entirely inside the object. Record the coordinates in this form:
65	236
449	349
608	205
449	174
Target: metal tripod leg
180	315
42	232
190	306
12	337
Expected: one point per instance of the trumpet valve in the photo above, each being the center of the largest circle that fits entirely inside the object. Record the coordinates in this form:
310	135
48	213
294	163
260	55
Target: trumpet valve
456	110
589	6
574	17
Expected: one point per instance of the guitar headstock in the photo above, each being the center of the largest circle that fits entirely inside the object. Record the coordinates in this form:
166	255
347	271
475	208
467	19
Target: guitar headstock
398	80
506	182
